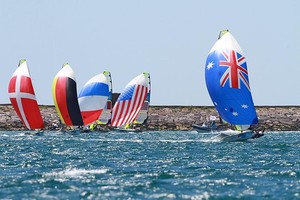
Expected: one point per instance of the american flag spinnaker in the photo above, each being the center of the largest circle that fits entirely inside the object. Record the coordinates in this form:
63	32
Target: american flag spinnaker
130	101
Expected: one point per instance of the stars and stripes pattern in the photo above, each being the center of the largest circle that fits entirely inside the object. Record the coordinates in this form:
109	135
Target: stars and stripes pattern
22	97
129	104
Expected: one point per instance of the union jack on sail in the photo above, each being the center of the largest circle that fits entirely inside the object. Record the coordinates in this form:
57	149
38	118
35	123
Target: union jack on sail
235	73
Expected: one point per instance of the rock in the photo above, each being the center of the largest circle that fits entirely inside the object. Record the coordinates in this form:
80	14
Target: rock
273	118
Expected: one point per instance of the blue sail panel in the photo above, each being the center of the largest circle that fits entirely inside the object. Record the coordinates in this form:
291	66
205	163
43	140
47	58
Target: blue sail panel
227	82
94	89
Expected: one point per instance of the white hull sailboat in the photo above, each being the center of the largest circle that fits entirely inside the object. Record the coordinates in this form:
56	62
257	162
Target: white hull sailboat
227	82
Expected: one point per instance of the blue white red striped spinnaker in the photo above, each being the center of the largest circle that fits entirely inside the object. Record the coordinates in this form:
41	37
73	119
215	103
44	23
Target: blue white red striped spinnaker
22	97
227	82
130	101
93	97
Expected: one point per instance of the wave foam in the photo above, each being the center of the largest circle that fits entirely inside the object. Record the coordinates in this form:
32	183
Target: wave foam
75	173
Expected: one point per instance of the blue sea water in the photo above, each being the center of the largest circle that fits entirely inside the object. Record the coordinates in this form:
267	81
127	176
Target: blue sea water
148	165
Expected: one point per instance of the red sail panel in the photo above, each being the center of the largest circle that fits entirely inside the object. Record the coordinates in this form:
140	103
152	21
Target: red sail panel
12	84
26	85
89	116
32	113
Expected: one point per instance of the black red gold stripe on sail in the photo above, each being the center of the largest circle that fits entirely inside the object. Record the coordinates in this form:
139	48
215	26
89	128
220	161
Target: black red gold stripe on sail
65	98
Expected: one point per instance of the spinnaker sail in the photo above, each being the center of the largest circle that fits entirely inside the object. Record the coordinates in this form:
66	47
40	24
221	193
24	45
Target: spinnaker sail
64	92
130	101
227	81
93	97
23	99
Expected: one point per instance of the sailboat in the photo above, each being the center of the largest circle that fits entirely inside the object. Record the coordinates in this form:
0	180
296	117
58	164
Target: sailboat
93	97
64	92
130	102
227	81
102	124
22	98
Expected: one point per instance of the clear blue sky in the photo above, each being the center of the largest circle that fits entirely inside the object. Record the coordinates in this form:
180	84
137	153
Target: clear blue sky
170	39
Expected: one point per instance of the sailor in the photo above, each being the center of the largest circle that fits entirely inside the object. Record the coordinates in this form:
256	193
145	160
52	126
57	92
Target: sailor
127	126
54	126
92	126
213	124
258	134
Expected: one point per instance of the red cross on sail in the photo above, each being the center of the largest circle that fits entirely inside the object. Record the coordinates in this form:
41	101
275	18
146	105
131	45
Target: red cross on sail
22	97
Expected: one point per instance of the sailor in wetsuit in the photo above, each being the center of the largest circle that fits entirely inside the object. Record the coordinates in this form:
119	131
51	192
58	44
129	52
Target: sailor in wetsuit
258	134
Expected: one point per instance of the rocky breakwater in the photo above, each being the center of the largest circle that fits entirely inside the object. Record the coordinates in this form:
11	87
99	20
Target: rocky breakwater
10	121
272	118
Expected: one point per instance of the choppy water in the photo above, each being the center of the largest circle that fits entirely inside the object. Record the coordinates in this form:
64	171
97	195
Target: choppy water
151	165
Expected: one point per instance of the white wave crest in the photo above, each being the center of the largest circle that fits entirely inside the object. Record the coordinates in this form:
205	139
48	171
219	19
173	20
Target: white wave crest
76	173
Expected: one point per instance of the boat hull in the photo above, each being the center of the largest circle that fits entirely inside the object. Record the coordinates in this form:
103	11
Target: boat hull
234	138
203	129
128	130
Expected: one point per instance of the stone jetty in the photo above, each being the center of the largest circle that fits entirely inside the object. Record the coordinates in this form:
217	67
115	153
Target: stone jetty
272	118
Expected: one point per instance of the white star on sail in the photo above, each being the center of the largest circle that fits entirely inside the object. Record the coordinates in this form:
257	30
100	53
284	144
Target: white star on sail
210	65
235	114
245	106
